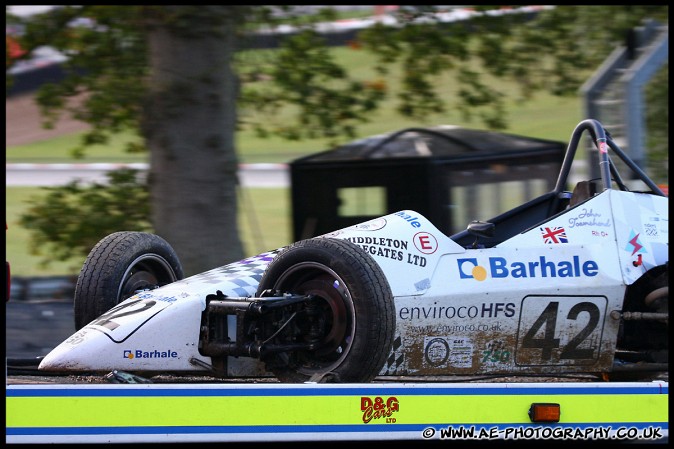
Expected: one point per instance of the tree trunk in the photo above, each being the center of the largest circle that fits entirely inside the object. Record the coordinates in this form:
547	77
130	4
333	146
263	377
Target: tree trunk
189	124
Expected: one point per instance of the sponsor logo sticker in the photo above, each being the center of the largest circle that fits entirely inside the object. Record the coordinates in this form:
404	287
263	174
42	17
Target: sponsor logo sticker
500	267
138	354
634	245
425	242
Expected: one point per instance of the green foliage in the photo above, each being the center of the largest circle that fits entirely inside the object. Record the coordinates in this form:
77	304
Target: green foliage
305	76
263	214
109	63
550	50
106	62
69	220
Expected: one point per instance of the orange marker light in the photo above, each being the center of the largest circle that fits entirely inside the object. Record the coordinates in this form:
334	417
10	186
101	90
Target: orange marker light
544	412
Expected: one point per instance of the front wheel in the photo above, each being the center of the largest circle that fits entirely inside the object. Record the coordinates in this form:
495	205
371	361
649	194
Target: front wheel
350	323
119	266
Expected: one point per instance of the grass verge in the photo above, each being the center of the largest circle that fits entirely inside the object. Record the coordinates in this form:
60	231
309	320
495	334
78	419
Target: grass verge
264	224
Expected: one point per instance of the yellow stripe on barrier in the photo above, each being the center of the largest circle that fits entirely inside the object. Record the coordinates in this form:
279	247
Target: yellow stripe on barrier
215	413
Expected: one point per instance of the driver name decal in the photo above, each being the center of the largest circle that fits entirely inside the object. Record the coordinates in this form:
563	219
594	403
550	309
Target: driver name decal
589	218
500	267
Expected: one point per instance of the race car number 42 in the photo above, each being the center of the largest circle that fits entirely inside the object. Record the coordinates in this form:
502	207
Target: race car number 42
560	330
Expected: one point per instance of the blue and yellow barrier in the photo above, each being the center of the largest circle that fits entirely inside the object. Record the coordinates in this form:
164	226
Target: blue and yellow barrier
306	412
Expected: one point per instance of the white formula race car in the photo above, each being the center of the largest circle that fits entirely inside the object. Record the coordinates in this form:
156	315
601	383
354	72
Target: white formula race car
569	282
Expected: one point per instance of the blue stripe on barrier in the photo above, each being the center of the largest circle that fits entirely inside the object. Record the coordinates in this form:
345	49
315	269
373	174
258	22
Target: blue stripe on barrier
149	391
345	428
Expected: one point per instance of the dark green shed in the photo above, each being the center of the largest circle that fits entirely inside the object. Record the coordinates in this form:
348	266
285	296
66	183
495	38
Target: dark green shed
449	174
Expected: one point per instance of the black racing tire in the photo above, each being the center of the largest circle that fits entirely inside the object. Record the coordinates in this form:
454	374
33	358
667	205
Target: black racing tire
357	310
117	267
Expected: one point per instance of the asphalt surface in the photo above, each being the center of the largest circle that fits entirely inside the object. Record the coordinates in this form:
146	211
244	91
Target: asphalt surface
35	327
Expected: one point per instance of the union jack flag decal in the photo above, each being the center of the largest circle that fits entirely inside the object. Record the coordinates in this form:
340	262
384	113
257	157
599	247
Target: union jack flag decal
554	235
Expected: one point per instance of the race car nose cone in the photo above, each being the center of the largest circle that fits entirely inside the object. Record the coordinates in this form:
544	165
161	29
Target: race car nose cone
73	356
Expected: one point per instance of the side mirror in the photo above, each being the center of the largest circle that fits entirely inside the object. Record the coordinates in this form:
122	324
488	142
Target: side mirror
481	228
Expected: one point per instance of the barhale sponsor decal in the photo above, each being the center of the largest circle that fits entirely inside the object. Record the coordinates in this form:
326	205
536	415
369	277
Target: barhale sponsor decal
501	268
138	354
150	295
414	221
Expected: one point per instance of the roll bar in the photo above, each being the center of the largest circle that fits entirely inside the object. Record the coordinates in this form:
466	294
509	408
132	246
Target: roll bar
603	141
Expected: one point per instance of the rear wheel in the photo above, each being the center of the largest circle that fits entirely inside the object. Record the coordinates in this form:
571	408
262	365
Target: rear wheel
119	266
350	323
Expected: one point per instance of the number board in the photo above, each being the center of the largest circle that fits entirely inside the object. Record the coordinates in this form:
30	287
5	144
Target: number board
560	330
